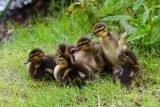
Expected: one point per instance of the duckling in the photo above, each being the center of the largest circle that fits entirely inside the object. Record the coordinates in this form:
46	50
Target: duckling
90	54
127	68
112	45
40	66
67	72
66	49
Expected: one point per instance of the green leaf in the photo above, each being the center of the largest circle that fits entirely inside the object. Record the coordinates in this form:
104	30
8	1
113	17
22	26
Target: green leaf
3	13
116	17
106	3
146	14
155	18
136	37
137	4
157	39
128	28
157	6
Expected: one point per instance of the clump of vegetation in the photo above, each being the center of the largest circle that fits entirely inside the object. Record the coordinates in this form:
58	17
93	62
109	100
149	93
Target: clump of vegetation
138	18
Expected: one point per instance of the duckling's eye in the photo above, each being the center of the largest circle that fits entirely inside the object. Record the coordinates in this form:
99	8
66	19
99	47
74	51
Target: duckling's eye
103	31
87	45
61	59
39	55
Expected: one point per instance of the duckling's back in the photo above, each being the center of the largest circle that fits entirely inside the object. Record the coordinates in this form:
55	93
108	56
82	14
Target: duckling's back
127	68
84	73
126	77
48	65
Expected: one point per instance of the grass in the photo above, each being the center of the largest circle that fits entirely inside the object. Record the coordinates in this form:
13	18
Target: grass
18	89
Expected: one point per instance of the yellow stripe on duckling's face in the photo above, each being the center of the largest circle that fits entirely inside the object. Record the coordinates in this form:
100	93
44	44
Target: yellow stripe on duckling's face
83	42
98	29
36	57
33	55
86	46
102	33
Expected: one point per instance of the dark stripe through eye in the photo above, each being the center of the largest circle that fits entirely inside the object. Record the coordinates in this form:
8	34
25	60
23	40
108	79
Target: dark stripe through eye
100	29
83	43
60	59
36	54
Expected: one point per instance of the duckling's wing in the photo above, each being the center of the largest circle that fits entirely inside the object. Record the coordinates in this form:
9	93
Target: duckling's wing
48	66
40	75
84	73
49	62
123	73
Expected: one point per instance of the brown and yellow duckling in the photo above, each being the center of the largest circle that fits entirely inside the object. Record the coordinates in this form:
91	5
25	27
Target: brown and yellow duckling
67	72
89	53
112	45
127	68
40	66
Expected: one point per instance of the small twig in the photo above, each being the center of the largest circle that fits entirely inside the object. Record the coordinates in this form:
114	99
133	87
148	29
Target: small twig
145	91
99	101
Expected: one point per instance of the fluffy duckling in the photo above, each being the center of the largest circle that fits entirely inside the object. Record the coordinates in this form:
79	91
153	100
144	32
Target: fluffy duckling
90	54
40	66
66	49
126	69
112	45
67	72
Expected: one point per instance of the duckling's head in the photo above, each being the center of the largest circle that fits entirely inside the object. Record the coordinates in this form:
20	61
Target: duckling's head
61	49
84	43
65	49
35	55
64	61
100	30
127	56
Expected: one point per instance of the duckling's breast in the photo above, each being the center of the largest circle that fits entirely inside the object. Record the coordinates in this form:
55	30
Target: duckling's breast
86	58
80	55
57	70
32	68
28	66
111	50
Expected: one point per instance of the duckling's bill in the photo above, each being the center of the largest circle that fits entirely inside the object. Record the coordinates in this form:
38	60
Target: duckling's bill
26	61
73	50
